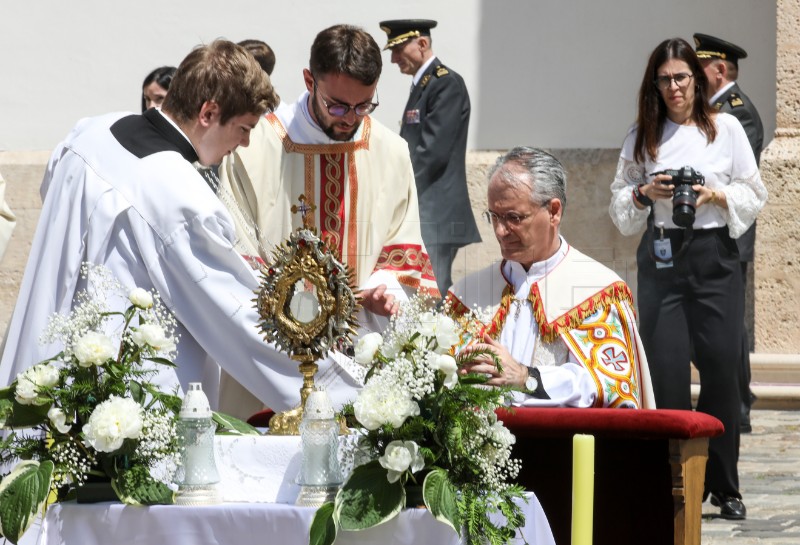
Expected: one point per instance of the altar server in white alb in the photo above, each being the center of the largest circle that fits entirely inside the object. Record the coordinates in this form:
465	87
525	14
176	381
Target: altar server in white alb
130	192
561	324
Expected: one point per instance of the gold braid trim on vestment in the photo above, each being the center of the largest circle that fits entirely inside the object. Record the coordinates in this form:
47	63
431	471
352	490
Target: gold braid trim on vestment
455	307
616	292
339	147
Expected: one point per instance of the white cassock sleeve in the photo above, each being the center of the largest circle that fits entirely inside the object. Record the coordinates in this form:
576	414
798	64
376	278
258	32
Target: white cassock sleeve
568	385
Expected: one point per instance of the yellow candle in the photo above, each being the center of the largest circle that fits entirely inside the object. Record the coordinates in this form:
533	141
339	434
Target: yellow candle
582	489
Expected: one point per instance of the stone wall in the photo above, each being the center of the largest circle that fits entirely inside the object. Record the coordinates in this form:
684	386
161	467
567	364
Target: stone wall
586	223
23	174
586	226
777	266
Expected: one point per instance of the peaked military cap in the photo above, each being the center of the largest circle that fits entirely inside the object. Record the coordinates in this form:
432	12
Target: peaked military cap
402	30
709	47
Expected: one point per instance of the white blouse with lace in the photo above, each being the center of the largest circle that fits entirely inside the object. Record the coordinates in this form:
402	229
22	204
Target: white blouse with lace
727	163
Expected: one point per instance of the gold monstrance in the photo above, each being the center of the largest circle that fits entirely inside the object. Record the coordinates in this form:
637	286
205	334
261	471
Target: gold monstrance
307	307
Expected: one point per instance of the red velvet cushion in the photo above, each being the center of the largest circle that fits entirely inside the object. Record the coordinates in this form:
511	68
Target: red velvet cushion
550	422
642	424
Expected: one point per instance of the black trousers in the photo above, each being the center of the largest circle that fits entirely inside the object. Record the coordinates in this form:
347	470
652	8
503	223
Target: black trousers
697	303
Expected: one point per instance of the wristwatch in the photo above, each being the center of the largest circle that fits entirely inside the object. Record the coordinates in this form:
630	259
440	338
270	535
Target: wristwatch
532	382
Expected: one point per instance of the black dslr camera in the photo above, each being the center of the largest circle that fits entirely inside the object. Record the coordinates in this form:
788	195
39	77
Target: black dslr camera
684	198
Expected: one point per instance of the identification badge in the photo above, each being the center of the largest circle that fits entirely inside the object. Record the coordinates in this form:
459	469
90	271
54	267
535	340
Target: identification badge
412	117
663	252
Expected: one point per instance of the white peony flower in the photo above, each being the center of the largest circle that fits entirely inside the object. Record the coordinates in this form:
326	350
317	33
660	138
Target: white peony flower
141	298
58	418
401	456
446	330
377	405
501	435
392	348
447	365
94	349
31	380
366	347
427	324
113	421
152	335
444	363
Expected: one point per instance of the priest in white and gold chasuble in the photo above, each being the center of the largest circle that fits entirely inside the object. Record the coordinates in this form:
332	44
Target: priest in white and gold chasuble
363	195
359	194
579	312
557	326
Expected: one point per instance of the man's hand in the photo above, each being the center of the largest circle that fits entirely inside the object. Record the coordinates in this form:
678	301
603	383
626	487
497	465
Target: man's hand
377	301
513	374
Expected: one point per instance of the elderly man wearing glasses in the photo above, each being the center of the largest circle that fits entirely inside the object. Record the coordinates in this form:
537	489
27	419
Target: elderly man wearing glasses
343	172
560	327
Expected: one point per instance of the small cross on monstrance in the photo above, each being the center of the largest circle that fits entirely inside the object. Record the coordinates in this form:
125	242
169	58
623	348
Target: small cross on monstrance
304	208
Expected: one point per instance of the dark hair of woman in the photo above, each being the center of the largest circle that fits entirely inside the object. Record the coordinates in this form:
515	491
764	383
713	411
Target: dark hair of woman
652	108
162	76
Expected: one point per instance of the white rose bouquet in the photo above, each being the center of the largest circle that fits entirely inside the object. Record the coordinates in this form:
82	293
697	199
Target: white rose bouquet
429	432
90	411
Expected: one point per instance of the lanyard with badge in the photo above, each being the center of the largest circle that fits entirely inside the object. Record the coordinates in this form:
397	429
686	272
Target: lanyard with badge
662	249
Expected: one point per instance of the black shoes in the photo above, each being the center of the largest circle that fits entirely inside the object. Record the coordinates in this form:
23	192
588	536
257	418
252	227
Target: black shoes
731	507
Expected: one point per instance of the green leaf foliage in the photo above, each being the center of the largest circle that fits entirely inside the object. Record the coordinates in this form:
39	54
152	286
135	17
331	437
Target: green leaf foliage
227	424
163	361
323	529
440	498
23	416
137	392
23	492
368	498
135	486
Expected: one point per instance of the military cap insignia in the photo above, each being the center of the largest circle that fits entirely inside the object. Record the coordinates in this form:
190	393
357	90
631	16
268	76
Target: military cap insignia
424	81
441	71
735	100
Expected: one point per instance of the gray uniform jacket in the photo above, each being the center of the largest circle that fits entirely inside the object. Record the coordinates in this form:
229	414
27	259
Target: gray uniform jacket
435	123
736	103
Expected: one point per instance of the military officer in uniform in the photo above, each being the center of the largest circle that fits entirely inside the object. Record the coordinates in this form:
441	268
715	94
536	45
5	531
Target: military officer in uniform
720	60
434	124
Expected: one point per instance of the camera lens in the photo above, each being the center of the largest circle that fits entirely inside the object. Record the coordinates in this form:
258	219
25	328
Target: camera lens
684	202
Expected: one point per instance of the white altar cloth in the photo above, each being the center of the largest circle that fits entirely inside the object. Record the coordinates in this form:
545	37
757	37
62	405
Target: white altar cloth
236	523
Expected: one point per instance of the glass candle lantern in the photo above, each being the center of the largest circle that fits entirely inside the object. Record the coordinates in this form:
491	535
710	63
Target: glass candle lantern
320	473
197	474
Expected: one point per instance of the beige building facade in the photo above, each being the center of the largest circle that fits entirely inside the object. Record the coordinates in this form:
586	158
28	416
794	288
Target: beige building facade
591	163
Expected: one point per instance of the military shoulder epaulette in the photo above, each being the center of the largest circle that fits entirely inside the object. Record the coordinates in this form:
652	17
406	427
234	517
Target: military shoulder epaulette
441	71
735	100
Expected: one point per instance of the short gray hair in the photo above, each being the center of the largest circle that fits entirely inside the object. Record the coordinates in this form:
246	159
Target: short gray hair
544	173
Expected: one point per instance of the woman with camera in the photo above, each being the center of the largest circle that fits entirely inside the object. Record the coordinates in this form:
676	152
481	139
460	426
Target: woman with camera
688	179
